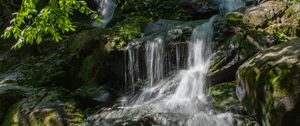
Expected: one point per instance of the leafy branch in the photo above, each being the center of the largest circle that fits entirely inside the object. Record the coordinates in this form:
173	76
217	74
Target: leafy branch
31	24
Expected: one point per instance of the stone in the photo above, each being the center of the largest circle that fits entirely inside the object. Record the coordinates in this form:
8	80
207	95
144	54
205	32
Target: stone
270	82
44	108
261	14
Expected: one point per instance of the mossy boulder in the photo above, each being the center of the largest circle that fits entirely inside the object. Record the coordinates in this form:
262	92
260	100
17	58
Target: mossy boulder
44	108
269	84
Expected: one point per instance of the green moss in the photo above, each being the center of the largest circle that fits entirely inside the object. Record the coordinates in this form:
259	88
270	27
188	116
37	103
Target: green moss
12	118
45	119
235	18
223	95
87	67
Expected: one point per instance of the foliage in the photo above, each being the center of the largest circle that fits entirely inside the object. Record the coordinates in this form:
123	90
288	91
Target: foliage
168	9
280	37
126	31
294	1
33	22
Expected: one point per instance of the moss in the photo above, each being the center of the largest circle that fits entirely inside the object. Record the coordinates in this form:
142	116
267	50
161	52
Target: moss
218	61
268	77
223	95
12	118
236	18
45	119
87	67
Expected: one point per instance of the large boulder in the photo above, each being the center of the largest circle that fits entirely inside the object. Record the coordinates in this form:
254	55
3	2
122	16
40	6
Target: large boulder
269	84
239	35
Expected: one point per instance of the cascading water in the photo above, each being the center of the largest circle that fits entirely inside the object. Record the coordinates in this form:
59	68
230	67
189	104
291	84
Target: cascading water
106	8
176	100
155	60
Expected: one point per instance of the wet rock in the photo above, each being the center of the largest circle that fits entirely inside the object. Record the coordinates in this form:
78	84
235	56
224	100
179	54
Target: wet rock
91	96
269	84
202	9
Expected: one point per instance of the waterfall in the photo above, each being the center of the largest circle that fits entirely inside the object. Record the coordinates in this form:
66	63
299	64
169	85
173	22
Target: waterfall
192	82
106	8
178	99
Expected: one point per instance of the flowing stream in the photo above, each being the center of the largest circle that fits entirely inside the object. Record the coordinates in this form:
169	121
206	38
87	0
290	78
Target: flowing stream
169	98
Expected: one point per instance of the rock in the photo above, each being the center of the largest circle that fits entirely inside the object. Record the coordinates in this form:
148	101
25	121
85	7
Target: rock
223	96
91	96
234	43
270	82
202	9
44	108
261	14
288	24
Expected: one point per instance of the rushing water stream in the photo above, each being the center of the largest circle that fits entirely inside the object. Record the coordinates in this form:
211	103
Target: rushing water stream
177	99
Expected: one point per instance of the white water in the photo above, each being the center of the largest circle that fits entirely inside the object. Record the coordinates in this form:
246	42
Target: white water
155	60
106	8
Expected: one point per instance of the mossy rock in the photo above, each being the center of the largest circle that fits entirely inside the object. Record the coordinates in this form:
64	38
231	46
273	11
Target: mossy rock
261	14
44	108
223	96
236	18
268	78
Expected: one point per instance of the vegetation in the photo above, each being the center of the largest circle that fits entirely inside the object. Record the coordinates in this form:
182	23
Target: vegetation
167	9
37	19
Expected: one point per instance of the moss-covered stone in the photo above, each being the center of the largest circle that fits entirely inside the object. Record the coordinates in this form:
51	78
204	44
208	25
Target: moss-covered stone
269	77
235	18
44	108
223	95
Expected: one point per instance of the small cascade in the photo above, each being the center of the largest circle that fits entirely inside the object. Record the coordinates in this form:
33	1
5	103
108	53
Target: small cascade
155	60
106	8
133	70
